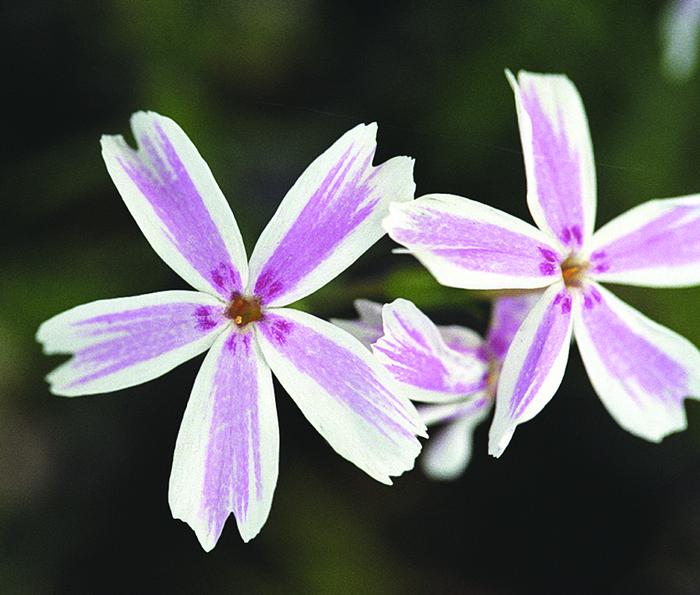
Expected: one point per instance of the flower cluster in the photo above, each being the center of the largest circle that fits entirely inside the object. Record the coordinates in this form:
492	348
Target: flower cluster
356	381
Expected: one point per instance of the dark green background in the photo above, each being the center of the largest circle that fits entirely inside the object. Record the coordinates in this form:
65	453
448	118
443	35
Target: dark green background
576	505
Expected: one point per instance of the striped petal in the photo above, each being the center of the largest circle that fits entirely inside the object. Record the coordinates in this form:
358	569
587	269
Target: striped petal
561	182
227	449
507	315
171	193
127	341
449	450
656	244
369	326
345	394
467	244
330	217
534	366
414	352
641	370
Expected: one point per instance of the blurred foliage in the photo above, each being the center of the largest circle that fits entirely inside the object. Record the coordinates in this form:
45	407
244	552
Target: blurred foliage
262	88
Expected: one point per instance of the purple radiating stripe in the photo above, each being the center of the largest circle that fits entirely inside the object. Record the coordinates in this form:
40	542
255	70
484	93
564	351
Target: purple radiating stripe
643	370
475	245
417	364
123	339
557	171
506	317
546	346
169	189
233	445
337	207
671	239
342	374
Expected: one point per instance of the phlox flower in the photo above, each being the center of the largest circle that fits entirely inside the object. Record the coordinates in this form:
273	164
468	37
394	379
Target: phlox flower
452	367
641	370
226	455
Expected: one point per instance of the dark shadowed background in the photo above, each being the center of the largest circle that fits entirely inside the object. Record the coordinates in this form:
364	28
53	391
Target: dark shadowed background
575	505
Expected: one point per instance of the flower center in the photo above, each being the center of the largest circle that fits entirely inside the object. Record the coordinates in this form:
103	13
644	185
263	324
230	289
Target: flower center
573	271
243	310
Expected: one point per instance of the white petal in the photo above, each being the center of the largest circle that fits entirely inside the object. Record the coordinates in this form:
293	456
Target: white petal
449	450
642	371
561	181
127	341
226	456
171	193
343	391
330	217
467	244
414	352
656	244
534	366
368	328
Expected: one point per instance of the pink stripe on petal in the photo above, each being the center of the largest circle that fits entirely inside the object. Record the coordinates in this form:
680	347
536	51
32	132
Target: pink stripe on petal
507	315
226	456
172	195
345	394
126	341
466	244
328	219
655	244
641	370
413	351
534	365
558	156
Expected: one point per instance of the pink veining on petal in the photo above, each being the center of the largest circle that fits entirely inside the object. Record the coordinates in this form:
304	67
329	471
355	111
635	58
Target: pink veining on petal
557	167
476	245
546	345
343	200
162	177
233	454
339	372
642	368
122	339
669	240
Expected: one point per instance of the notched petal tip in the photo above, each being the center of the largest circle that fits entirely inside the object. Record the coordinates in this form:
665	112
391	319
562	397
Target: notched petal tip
499	440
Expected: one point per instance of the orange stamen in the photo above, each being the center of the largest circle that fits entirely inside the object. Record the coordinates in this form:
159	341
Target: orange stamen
243	310
573	271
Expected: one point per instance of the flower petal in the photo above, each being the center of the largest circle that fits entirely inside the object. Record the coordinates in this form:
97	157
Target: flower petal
656	244
467	244
447	453
462	339
369	327
507	315
343	391
641	370
171	193
561	181
228	446
534	366
413	351
127	341
328	219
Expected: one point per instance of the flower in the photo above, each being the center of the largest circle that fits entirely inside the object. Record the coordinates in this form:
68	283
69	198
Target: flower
226	456
641	371
452	366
